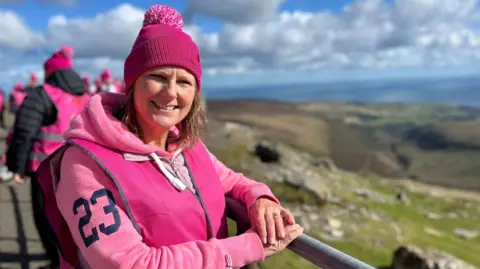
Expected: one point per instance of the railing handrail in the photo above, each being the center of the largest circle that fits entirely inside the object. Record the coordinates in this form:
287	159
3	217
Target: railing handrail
309	248
324	255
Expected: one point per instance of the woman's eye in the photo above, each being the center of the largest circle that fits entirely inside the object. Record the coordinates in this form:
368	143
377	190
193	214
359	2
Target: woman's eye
185	82
157	76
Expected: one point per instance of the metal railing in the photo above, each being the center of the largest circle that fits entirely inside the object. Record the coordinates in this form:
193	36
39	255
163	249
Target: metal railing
316	252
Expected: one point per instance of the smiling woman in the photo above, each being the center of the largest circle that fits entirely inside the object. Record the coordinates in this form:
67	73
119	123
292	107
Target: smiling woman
135	187
166	95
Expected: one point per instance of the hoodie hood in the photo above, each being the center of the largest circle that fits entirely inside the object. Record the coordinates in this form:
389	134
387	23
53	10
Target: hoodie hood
97	124
68	80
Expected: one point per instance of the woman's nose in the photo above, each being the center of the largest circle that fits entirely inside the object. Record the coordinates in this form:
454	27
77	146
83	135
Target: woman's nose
171	89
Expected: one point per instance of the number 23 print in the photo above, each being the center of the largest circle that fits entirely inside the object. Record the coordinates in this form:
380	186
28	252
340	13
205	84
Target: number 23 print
109	209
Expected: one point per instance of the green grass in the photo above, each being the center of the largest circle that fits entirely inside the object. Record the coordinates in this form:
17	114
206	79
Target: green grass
412	222
376	241
290	194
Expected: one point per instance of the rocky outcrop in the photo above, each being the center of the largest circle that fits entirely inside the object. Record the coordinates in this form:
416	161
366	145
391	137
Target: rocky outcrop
267	154
413	257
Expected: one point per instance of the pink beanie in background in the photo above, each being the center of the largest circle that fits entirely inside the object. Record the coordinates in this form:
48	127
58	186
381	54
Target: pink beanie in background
106	74
59	60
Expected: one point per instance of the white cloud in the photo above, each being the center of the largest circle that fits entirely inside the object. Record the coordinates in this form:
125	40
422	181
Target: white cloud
14	33
256	38
110	34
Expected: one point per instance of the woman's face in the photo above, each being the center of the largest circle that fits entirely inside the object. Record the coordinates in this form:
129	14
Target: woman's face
163	97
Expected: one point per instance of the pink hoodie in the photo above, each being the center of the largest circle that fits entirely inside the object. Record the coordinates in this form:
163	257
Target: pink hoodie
124	249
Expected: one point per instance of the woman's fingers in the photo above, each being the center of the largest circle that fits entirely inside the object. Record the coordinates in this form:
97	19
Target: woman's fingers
292	232
287	215
270	221
261	226
279	227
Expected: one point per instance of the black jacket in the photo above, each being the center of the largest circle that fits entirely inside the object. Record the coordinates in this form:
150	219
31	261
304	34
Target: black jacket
38	110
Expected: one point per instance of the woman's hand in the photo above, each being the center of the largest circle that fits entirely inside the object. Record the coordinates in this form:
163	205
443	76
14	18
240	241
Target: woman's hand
292	232
270	219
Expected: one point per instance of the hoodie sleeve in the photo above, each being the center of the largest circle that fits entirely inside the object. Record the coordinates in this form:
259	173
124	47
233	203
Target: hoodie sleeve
238	187
125	249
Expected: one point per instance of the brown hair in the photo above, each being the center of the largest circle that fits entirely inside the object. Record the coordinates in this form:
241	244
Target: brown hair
192	127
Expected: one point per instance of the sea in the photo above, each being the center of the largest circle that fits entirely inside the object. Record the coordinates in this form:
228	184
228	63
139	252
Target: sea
464	91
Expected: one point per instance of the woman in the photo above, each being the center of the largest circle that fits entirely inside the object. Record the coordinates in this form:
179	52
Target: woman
134	187
40	121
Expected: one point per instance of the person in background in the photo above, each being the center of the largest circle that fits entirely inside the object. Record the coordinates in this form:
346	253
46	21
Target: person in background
135	187
33	80
119	85
90	88
107	82
98	85
40	122
17	95
2	110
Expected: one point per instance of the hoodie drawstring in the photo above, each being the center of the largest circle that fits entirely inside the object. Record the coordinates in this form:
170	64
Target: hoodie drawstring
175	181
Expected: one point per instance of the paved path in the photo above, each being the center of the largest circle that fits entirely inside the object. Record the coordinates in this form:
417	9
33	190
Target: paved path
20	246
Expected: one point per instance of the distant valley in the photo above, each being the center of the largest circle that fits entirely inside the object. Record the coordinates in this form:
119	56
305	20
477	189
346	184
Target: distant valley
435	144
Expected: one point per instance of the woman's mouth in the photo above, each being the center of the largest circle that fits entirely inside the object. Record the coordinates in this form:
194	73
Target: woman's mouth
163	107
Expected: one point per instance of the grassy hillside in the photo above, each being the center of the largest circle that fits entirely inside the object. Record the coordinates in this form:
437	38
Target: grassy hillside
429	143
373	228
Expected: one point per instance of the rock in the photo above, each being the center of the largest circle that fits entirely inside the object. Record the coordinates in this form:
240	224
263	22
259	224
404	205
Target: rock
313	186
333	235
306	224
433	216
432	231
334	223
274	176
463	214
402	197
267	154
294	178
352	207
334	200
465	234
452	215
314	217
398	231
374	216
324	162
364	212
297	213
413	257
370	195
306	208
336	233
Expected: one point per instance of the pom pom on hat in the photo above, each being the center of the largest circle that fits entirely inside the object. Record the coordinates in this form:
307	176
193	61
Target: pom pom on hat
160	14
67	51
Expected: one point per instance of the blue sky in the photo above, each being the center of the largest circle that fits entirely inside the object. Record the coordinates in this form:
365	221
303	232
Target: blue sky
327	40
35	14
